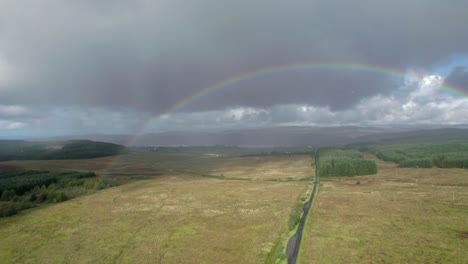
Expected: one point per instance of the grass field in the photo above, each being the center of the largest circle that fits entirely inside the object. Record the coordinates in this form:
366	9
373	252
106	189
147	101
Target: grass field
401	215
173	216
152	164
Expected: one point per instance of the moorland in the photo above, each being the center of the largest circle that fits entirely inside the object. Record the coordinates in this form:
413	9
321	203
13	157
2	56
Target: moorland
168	207
376	202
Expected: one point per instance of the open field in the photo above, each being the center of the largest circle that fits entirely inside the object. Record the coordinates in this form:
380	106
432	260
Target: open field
96	165
401	215
173	216
265	168
294	167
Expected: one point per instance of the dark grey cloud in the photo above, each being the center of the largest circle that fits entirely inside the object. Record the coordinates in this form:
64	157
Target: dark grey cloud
458	78
148	55
339	89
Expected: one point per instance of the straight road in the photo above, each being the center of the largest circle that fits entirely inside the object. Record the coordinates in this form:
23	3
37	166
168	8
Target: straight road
295	241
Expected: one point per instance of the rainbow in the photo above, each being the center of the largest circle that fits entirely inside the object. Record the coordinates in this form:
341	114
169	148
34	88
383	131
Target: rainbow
229	82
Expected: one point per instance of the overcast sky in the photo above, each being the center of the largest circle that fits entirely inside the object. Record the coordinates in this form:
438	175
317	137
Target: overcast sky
86	66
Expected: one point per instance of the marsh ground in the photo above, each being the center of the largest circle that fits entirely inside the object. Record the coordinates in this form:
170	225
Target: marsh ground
172	216
401	215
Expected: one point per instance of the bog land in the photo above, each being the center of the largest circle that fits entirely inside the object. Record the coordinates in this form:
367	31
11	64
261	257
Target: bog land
400	215
172	208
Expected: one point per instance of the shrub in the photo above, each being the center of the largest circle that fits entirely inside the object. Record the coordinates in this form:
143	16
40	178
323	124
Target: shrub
42	197
7	210
104	183
61	197
295	216
7	195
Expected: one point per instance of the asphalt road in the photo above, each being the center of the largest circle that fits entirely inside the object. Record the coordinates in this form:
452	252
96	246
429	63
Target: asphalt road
295	241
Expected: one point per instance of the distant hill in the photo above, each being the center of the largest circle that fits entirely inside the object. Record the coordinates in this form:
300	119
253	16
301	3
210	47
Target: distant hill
269	136
290	136
47	150
442	135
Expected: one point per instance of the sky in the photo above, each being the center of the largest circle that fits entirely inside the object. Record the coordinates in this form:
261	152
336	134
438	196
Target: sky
85	67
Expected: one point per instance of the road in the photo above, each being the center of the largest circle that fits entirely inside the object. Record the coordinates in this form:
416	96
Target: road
294	243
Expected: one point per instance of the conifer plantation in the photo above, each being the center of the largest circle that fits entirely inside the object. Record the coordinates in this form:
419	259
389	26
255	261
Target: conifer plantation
425	155
344	162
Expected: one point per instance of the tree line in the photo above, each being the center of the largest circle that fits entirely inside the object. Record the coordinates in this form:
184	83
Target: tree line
20	190
75	149
425	155
343	162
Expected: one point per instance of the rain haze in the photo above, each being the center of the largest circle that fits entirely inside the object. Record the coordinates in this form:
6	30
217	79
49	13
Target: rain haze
107	67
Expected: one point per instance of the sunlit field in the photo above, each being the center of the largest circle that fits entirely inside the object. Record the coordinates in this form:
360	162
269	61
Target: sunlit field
139	164
175	209
401	215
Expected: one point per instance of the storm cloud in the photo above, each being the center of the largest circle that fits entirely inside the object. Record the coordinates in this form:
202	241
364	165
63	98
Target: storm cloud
458	78
144	56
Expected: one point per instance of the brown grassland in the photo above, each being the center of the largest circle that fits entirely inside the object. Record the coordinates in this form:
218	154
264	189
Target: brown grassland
401	215
172	216
295	167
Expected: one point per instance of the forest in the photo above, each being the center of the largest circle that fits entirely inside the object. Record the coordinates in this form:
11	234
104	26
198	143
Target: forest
50	150
343	162
24	189
424	155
